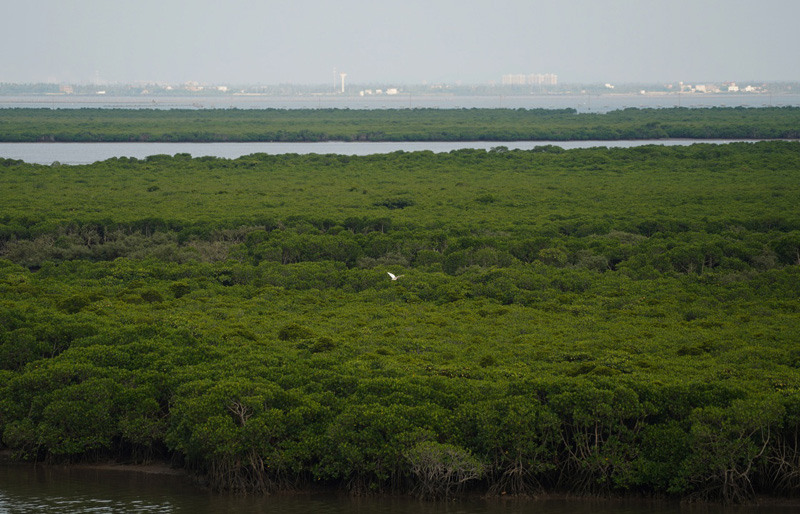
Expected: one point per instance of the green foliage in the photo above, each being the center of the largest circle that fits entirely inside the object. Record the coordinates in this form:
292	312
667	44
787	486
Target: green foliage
301	125
596	321
725	447
294	332
441	470
151	296
180	289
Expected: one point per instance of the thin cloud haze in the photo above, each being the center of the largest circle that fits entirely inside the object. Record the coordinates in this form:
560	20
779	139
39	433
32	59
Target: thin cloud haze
302	42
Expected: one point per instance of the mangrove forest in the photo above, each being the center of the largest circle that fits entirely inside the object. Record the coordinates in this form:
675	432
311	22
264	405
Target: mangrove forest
594	321
314	125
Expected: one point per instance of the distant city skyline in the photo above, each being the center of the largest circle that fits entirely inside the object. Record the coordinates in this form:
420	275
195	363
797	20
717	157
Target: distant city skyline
410	42
522	82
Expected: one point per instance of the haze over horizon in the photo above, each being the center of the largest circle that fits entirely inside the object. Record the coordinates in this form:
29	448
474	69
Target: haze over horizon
410	42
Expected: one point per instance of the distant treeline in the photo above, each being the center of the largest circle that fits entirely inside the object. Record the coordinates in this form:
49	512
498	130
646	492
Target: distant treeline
313	125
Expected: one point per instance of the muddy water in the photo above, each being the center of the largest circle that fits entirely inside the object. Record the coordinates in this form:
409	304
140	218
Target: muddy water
74	490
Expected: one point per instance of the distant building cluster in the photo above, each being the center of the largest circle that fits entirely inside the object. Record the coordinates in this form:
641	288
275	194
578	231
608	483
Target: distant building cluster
532	79
194	87
370	92
729	87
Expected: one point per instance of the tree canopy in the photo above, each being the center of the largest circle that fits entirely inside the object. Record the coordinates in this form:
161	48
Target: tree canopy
591	321
306	125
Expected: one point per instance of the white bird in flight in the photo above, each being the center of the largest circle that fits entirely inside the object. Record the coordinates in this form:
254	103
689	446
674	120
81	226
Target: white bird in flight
395	277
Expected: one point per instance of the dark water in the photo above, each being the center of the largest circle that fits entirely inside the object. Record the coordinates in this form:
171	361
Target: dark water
87	153
29	489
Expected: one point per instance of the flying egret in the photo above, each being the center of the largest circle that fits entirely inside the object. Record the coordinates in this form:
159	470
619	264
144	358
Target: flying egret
395	277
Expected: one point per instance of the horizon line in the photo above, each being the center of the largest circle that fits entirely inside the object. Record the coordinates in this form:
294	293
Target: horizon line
457	83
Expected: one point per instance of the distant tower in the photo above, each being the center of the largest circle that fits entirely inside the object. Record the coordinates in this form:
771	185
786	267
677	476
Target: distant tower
343	75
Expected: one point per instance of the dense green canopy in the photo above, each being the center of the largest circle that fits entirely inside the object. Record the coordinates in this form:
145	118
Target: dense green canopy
121	125
597	320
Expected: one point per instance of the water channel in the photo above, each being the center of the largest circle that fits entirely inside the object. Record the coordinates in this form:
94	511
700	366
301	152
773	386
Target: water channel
581	102
25	488
87	153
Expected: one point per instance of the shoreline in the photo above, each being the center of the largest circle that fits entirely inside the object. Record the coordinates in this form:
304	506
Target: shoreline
156	467
153	468
164	468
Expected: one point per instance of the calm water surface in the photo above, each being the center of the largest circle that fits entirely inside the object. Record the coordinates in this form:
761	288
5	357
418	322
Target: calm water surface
29	489
87	153
580	102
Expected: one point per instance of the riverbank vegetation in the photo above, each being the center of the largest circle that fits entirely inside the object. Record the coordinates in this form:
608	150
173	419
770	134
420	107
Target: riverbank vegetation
594	321
314	125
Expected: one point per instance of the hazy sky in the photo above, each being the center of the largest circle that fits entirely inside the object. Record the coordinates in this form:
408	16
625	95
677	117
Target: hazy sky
399	41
